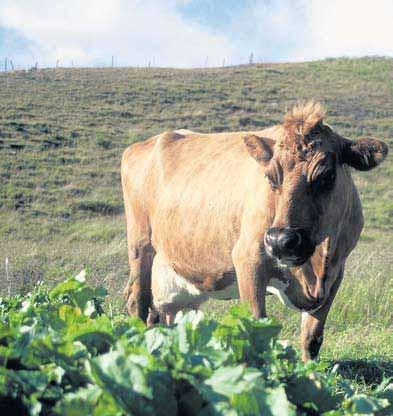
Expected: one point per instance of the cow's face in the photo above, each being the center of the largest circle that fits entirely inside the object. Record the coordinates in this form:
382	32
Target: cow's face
308	182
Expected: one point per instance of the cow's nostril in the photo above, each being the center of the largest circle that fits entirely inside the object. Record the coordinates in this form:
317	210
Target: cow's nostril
289	240
269	239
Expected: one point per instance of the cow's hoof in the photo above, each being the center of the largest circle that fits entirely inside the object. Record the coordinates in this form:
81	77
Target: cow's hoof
153	317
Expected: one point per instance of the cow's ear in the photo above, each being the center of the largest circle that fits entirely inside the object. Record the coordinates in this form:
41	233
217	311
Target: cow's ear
365	153
260	148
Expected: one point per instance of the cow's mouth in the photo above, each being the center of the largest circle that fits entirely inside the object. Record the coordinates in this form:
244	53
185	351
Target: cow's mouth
291	261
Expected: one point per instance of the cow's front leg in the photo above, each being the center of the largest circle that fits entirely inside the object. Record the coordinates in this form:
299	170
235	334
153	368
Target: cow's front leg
252	287
313	324
312	334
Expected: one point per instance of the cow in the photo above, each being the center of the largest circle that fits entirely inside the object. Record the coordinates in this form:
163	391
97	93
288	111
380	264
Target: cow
244	214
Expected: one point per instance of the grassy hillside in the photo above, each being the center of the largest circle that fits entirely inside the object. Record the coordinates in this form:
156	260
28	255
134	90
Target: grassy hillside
62	133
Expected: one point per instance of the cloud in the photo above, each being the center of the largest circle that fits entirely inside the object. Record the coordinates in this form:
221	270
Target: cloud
351	27
293	30
184	33
272	30
91	32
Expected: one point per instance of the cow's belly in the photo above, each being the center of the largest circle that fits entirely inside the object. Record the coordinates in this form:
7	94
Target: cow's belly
172	292
230	292
275	287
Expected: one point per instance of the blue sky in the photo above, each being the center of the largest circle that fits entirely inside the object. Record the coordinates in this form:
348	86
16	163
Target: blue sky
216	14
191	33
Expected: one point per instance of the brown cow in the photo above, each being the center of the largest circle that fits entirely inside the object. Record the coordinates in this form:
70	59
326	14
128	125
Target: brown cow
213	215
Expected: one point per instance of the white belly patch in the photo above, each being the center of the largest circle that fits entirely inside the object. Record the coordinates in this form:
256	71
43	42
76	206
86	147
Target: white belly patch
171	291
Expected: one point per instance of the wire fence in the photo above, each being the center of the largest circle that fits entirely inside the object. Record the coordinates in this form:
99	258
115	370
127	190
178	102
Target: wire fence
8	64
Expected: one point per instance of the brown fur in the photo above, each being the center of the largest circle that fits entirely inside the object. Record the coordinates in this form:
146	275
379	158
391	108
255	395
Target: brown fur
203	202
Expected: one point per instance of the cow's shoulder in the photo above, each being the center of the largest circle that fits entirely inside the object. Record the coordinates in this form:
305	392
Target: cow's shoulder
167	152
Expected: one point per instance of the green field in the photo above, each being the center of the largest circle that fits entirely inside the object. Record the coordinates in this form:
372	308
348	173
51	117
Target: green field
62	133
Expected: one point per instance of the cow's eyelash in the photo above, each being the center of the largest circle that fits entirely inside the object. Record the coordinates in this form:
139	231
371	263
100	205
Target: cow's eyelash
275	175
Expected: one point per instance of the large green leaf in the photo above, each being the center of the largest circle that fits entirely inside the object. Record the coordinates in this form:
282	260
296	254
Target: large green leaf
136	387
310	392
361	404
91	400
242	391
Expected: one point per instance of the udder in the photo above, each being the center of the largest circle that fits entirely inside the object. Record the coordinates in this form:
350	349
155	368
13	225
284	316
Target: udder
172	292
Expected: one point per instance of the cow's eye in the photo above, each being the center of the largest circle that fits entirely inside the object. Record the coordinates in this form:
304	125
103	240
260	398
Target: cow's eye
324	182
274	174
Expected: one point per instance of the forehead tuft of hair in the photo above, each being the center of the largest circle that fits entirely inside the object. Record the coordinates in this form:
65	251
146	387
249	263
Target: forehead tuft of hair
303	117
298	125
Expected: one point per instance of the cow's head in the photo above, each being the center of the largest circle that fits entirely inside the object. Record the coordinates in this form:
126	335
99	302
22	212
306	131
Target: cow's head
308	180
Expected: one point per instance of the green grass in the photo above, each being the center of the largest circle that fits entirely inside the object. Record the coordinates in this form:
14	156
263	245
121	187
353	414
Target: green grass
62	133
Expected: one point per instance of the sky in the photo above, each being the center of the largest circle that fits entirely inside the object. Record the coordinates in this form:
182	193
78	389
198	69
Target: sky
190	33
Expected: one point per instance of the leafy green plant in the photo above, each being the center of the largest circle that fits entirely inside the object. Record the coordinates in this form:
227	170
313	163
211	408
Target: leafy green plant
60	353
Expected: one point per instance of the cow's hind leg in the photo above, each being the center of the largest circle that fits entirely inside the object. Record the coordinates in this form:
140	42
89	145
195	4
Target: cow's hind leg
140	257
138	289
140	253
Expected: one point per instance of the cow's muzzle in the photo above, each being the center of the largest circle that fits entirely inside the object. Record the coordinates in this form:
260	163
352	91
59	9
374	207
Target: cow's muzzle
290	246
